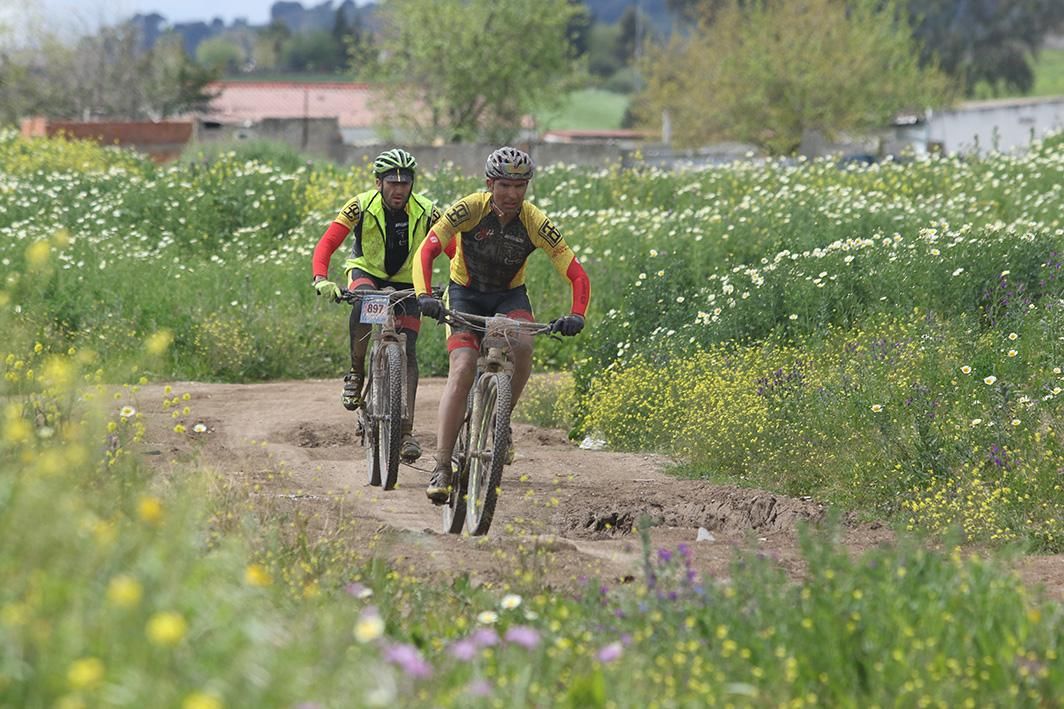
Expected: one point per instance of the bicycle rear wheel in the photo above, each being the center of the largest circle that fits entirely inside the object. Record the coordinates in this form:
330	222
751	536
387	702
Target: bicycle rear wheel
489	436
389	413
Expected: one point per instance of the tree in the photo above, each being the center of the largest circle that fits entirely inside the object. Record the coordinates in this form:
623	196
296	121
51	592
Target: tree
632	34
312	51
107	74
472	69
579	29
695	10
220	54
991	42
768	72
360	56
177	85
603	50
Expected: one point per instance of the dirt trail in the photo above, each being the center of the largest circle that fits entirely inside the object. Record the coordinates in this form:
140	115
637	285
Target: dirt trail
564	513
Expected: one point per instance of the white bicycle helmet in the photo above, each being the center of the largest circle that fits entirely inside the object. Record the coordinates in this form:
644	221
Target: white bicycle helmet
509	164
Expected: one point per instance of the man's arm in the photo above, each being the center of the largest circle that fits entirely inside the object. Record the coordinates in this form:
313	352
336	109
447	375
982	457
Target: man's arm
347	219
547	237
581	286
427	252
439	240
328	244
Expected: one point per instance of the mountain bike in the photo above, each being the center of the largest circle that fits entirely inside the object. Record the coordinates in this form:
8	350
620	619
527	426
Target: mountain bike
384	395
484	438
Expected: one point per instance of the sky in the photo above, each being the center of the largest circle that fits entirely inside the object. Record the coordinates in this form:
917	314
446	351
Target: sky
257	12
82	12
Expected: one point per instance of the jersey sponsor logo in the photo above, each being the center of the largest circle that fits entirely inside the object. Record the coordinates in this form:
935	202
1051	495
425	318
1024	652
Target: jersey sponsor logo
550	233
352	211
458	214
435	216
484	233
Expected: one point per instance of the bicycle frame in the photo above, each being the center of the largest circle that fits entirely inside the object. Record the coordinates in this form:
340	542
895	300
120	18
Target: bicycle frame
387	354
488	408
381	316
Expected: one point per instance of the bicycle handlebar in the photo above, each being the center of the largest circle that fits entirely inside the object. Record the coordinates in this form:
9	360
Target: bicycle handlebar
452	317
394	296
481	322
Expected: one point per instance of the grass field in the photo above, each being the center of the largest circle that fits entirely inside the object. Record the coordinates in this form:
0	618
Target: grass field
1049	73
587	109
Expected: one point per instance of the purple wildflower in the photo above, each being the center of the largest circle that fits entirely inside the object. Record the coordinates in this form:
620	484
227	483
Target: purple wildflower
464	650
479	688
664	556
409	659
484	637
609	653
523	635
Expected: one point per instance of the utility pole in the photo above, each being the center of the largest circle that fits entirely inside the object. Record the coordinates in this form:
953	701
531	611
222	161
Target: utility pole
306	116
637	54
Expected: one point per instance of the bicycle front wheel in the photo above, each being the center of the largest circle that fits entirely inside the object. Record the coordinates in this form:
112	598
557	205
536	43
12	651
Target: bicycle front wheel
368	415
454	512
390	413
489	438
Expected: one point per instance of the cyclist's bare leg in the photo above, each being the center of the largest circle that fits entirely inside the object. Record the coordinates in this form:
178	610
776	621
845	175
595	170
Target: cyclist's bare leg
463	368
522	355
412	374
410	449
360	336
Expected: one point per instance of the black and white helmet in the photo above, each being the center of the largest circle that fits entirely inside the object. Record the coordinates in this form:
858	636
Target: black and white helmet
395	165
509	164
394	159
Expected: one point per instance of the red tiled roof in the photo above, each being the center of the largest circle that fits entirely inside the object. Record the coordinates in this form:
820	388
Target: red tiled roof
239	101
619	133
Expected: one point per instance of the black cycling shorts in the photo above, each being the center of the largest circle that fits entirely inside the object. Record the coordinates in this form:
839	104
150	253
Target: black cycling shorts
513	303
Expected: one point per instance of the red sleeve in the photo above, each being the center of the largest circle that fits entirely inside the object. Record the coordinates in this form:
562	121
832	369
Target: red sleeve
327	246
426	254
581	287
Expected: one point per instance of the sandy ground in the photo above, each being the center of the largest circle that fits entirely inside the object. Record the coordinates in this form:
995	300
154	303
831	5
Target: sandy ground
564	515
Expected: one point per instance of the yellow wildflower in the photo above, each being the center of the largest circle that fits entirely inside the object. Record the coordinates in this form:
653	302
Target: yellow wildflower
166	628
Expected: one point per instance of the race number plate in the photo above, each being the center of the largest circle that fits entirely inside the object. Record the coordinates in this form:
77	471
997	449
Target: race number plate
374	309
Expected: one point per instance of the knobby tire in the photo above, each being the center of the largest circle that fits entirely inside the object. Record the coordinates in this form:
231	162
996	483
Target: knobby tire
390	434
369	424
454	512
488	439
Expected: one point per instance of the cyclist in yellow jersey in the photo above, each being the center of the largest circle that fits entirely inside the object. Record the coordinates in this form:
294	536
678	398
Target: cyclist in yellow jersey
489	237
389	223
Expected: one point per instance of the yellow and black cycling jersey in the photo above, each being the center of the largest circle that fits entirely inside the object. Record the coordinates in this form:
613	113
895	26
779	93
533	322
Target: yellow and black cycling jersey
488	256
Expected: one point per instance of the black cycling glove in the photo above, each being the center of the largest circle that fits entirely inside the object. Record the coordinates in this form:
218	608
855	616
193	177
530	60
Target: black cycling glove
430	307
569	325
